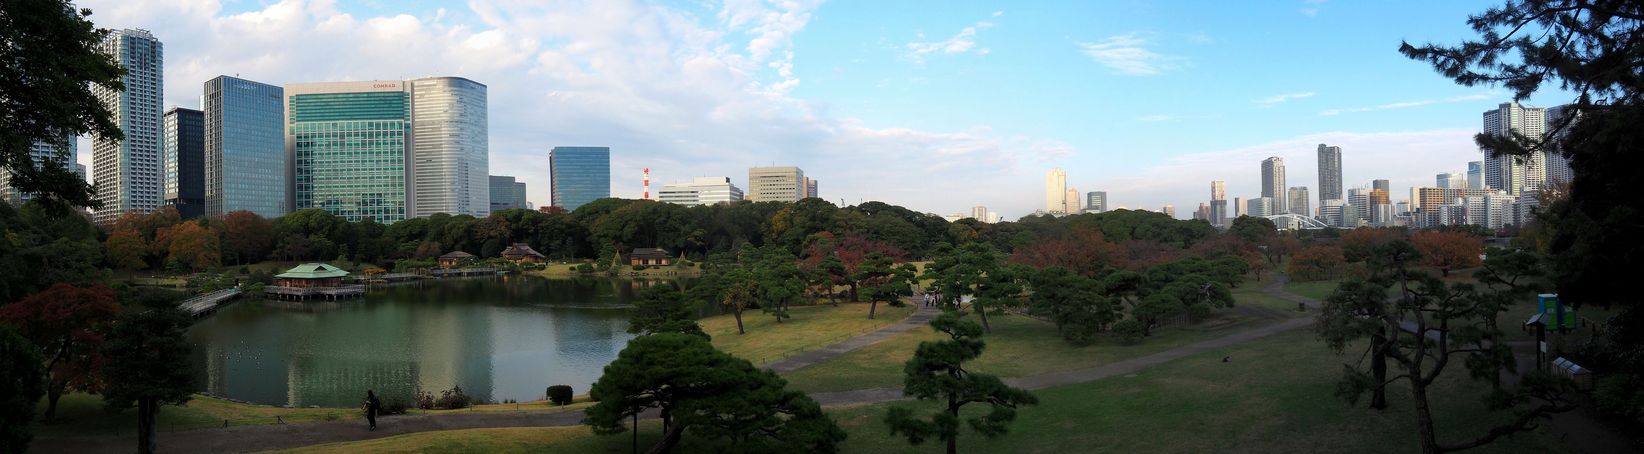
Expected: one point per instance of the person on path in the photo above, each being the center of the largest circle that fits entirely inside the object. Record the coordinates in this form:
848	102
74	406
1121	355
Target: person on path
372	406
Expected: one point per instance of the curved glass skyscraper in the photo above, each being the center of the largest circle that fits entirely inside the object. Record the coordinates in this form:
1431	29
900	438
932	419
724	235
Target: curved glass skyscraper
450	168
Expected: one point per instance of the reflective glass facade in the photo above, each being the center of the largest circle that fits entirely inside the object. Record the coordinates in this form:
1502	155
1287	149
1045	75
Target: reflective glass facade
348	144
507	193
450	148
579	175
185	161
245	147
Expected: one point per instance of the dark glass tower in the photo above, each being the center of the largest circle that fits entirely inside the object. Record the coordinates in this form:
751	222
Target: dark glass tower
579	175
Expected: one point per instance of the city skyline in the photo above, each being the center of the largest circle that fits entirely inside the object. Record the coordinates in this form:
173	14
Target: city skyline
826	102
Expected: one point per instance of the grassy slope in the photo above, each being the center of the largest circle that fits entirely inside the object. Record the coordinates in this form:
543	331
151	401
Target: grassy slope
1274	396
1018	346
809	328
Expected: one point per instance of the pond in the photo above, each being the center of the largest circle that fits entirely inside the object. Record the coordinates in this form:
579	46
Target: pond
507	337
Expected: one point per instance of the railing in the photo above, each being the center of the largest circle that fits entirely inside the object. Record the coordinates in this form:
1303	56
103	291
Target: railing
207	302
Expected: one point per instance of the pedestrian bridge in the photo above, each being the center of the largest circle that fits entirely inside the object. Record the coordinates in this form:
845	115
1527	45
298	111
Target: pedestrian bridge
1295	221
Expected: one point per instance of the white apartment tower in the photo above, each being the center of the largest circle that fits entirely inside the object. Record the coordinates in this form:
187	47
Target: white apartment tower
1056	191
128	172
1273	184
1513	174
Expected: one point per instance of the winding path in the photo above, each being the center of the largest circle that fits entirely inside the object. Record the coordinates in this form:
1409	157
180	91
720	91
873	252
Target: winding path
270	437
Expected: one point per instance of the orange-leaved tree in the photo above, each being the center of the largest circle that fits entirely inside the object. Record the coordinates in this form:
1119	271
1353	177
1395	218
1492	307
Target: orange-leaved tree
1448	250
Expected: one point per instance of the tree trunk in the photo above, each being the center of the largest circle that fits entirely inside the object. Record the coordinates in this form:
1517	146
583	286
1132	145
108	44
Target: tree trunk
986	328
853	292
669	440
53	392
1378	368
737	312
873	306
636	434
1424	417
147	410
1445	272
953	438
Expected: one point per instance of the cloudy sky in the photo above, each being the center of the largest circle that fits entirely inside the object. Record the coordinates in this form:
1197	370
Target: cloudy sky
937	106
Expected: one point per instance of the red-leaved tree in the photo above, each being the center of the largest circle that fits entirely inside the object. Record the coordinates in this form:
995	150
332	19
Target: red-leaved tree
67	323
1084	251
1448	250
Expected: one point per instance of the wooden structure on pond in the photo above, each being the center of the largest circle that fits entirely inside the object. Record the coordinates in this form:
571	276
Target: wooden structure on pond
522	253
205	304
454	258
647	256
313	280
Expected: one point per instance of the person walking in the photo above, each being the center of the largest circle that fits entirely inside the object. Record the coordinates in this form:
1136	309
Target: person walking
372	406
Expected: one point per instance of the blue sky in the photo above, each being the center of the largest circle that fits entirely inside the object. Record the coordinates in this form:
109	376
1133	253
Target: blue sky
937	106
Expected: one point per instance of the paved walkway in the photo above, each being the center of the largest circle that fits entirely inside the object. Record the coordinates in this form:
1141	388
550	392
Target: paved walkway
268	437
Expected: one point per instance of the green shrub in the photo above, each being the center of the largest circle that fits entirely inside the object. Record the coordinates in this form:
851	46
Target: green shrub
585	268
1128	330
559	394
1621	394
1198	312
639	267
453	398
393	406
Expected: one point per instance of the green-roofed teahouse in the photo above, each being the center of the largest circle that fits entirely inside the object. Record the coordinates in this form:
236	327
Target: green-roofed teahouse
310	275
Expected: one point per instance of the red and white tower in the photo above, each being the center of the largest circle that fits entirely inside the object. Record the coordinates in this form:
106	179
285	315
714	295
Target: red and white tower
647	195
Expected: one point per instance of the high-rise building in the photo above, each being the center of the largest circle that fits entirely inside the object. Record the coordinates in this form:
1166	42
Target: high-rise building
1260	206
450	166
1273	183
1073	202
1300	204
1056	191
1557	166
1329	173
347	147
1427	204
776	184
1203	213
1169	210
810	188
1218	203
1382	185
1475	175
507	193
185	162
703	191
979	213
58	153
578	175
1449	180
1238	204
244	147
1515	173
1096	201
128	172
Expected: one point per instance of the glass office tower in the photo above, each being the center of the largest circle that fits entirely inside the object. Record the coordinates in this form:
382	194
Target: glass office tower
450	168
128	172
579	175
185	162
244	147
348	142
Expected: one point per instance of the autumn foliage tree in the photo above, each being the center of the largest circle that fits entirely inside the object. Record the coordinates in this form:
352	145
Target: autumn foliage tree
1448	250
126	246
67	323
1316	263
245	237
194	247
1358	244
1084	251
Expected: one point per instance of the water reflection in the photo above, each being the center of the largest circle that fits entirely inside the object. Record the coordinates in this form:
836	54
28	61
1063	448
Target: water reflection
498	338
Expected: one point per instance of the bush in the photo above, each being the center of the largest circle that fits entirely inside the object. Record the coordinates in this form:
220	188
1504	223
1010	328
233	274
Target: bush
425	400
1128	330
453	398
559	394
393	406
1621	394
1198	312
639	267
585	268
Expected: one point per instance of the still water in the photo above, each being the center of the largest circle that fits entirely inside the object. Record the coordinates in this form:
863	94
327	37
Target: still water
496	337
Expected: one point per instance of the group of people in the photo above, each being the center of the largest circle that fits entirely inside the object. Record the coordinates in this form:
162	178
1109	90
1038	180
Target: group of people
931	298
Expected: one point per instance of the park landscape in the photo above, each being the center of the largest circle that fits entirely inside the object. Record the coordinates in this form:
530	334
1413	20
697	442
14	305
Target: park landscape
782	326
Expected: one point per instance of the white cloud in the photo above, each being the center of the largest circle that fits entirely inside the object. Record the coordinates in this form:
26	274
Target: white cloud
1409	104
684	95
998	13
1127	55
1278	99
964	41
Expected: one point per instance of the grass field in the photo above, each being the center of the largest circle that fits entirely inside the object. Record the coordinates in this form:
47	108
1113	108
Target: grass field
1274	396
811	327
1252	295
1018	346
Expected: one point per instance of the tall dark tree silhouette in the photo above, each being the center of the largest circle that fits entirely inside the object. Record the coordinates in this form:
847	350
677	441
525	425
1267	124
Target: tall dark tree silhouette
937	372
148	366
50	61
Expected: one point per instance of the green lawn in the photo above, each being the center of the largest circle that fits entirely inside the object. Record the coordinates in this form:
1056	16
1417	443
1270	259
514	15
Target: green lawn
1018	346
1274	396
809	328
1252	295
1318	290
